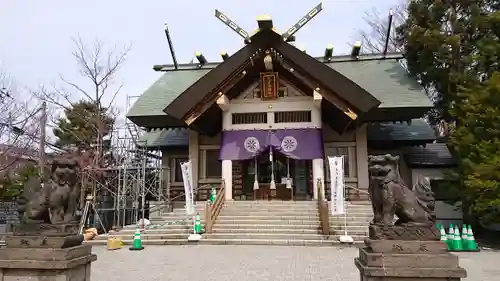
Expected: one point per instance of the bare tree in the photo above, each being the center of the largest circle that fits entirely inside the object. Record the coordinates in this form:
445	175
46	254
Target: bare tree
19	126
373	36
99	68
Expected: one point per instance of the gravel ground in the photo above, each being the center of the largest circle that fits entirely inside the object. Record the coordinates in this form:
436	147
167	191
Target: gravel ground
252	263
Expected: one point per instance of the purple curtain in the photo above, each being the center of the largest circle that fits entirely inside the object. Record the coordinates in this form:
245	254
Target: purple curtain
303	144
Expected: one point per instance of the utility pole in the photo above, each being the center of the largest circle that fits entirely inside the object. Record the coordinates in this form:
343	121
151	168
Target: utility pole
41	156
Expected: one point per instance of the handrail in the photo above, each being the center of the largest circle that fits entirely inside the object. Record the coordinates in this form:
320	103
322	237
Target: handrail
169	203
357	189
351	187
324	219
212	209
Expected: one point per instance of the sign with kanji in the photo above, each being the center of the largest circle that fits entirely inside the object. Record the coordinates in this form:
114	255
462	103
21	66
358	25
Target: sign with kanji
269	85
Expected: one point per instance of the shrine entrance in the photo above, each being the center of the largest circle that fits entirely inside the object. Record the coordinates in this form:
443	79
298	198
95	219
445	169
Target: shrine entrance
272	164
274	176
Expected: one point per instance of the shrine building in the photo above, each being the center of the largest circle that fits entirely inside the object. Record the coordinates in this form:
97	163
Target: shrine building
266	118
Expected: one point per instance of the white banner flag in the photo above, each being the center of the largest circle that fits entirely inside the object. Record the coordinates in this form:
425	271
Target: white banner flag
187	178
337	201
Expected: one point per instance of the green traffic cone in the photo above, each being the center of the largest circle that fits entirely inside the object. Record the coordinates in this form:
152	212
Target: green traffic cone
137	244
197	224
472	242
457	241
451	237
439	226
444	236
465	238
213	194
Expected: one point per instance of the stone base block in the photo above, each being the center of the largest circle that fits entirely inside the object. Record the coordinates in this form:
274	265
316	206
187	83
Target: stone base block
406	232
56	229
406	247
46	264
43	241
392	260
371	259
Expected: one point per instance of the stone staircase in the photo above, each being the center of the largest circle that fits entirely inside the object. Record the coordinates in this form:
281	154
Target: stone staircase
359	215
283	223
166	229
255	223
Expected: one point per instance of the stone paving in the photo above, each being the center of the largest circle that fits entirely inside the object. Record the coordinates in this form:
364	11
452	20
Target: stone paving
252	263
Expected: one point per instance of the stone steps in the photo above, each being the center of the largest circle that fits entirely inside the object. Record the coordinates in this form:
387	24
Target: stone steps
333	242
267	223
350	230
254	223
312	225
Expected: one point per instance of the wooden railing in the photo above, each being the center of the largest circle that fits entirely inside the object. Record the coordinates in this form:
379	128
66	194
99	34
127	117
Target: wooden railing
324	218
212	209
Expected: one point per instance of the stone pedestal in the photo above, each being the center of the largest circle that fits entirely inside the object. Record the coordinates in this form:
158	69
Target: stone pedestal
399	260
55	256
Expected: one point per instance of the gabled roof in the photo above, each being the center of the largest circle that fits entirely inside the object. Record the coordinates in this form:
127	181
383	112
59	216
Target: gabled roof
417	131
384	78
147	111
432	155
208	87
164	138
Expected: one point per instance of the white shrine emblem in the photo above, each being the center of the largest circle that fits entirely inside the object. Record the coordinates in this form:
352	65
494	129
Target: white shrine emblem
251	144
289	144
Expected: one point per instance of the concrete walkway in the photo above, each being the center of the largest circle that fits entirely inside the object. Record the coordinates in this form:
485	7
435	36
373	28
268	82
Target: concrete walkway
252	263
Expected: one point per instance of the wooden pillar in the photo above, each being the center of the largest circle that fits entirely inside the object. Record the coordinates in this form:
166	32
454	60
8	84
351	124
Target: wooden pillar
194	155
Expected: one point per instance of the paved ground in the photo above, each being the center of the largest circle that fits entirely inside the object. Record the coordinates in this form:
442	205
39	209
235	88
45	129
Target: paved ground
252	263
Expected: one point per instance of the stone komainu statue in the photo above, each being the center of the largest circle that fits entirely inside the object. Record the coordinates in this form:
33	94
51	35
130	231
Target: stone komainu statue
391	196
57	200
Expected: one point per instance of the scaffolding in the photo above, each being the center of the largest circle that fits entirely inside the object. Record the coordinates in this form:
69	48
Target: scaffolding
128	178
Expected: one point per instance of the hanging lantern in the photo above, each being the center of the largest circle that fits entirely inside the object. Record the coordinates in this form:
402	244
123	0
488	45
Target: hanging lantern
256	180
272	183
288	179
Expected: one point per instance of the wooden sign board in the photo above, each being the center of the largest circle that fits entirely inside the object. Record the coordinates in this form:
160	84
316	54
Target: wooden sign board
269	85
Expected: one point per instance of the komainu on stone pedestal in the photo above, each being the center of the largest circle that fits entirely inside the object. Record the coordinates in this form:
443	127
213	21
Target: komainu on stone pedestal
410	248
49	209
55	201
391	196
46	244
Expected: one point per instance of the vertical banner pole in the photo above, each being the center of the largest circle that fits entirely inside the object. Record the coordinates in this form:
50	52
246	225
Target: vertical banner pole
336	164
337	184
344	195
188	187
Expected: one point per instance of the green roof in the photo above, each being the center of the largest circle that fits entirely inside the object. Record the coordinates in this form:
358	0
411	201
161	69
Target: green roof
171	137
385	79
164	91
431	155
417	130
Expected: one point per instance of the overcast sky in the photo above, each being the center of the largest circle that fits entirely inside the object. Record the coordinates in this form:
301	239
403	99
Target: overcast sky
36	35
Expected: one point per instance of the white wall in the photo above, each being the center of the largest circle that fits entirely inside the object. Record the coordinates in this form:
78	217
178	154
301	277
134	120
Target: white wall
282	104
432	174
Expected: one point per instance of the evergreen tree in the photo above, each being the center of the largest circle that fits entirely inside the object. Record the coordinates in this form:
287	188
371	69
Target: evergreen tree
79	128
441	42
12	184
476	141
452	48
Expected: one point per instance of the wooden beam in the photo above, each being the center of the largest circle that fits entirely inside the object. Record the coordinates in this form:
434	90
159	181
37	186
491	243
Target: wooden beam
223	102
329	96
212	98
317	98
